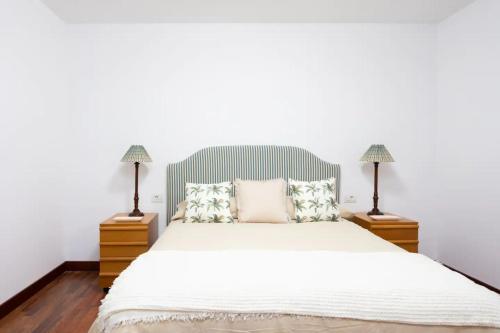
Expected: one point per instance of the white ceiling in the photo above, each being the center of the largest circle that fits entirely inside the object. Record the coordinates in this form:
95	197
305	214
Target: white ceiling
280	11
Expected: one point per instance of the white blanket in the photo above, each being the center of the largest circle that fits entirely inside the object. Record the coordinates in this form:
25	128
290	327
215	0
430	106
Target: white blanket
394	287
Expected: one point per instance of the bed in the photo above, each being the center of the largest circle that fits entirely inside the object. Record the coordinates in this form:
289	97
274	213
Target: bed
294	277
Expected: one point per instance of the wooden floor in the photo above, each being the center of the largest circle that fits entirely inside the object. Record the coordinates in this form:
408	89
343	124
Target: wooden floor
68	304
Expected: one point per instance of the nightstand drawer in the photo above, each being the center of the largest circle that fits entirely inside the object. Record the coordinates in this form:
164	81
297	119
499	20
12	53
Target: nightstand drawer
127	234
390	232
106	279
402	232
132	249
114	264
410	246
121	242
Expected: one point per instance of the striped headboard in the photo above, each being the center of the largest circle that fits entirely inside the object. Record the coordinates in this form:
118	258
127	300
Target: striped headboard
226	163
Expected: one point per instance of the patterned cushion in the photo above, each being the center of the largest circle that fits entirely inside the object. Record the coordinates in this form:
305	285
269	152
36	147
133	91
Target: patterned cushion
314	201
208	203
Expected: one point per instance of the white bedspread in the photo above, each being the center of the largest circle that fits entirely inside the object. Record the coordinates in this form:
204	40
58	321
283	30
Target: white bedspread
386	286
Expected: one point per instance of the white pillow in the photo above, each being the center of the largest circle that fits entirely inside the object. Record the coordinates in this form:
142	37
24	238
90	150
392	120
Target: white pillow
314	201
261	201
208	203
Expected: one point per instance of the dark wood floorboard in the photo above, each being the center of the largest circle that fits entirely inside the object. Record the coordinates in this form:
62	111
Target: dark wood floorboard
67	304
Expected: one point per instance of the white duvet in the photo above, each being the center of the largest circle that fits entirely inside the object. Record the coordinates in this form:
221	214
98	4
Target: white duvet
384	286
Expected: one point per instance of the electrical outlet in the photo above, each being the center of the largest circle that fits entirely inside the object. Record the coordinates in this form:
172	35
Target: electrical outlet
157	198
350	199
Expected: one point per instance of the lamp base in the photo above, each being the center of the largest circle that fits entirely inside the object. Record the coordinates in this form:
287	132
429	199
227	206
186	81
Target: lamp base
375	211
136	212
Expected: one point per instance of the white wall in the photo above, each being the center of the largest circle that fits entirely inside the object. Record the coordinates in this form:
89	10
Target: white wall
327	88
468	156
333	89
32	107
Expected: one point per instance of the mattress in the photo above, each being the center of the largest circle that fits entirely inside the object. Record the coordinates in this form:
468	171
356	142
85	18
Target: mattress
343	236
314	236
291	324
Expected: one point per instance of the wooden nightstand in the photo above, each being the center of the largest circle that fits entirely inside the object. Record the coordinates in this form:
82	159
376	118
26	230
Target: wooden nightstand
122	242
402	232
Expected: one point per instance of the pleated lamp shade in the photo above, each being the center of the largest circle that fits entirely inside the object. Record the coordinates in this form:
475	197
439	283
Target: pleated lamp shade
136	153
377	153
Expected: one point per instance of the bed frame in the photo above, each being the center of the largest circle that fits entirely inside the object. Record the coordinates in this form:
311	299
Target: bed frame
226	163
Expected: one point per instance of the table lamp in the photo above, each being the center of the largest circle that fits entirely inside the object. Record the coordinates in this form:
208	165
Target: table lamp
376	154
136	154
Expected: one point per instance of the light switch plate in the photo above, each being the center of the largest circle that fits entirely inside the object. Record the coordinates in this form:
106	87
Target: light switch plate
350	199
157	198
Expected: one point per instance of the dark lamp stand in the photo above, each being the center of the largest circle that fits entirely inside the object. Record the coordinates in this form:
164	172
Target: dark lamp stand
136	211
375	210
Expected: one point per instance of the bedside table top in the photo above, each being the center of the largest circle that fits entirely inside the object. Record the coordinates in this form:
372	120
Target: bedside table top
367	219
146	219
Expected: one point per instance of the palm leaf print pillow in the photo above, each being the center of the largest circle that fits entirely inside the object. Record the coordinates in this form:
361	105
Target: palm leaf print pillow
314	201
208	203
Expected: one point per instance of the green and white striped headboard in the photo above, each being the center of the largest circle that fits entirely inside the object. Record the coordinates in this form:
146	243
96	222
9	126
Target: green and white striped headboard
226	163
